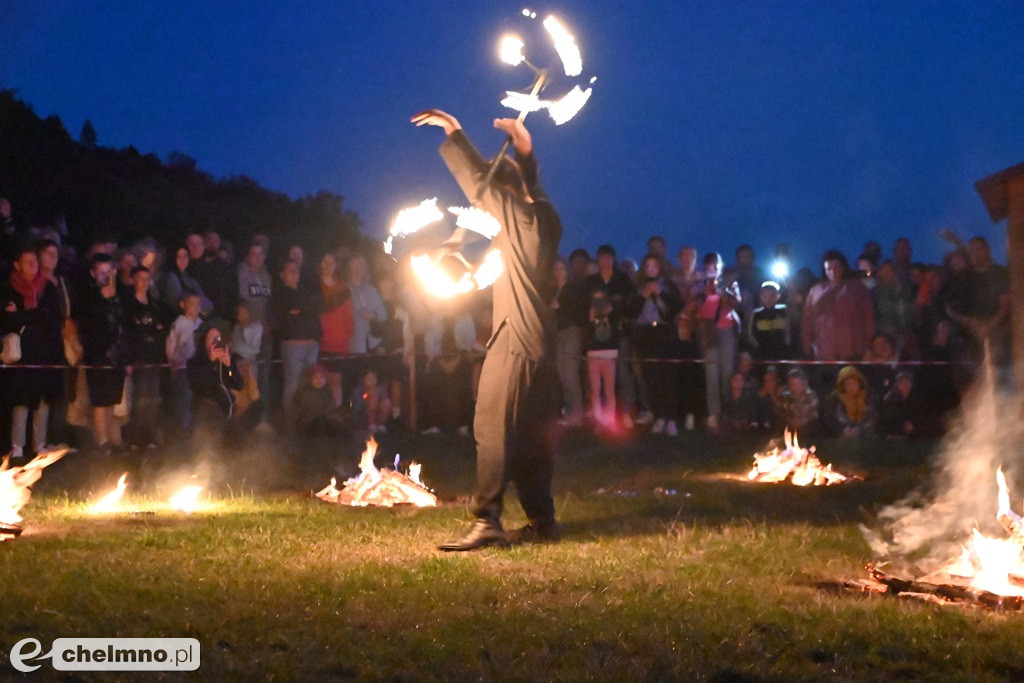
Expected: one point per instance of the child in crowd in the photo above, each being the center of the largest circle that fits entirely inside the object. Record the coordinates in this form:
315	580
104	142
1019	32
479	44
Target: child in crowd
316	414
602	354
181	348
770	326
246	339
739	409
371	405
903	416
768	399
849	412
798	404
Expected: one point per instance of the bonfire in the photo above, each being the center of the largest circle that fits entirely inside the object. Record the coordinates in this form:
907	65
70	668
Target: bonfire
379	487
16	489
800	465
989	571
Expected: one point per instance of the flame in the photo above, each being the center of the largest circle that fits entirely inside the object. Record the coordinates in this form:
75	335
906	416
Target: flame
511	50
560	110
569	105
489	270
800	465
437	281
994	564
383	488
110	502
414	218
186	499
565	46
16	486
477	220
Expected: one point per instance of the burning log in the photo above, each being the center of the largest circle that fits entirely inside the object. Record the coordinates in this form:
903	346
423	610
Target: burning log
947	592
800	465
382	488
16	489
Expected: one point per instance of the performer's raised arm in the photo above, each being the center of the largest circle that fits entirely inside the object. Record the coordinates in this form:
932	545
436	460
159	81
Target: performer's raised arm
463	160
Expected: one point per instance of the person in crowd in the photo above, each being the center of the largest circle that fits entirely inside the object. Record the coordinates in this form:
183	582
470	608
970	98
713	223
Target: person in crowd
180	348
927	307
867	270
215	381
740	406
653	309
902	264
883	357
49	261
571	304
771	335
746	366
955	293
367	306
246	343
798	404
602	354
838	316
178	280
146	332
944	385
337	321
100	325
254	289
295	312
618	291
688	278
30	307
849	412
657	248
395	333
988	317
748	277
316	412
448	379
903	415
718	327
768	400
126	263
370	404
579	265
690	385
894	307
215	277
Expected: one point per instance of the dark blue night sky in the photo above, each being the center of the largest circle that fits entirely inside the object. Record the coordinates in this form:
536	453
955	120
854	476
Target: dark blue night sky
818	123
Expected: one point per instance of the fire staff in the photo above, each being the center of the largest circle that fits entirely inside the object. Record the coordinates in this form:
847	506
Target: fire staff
518	395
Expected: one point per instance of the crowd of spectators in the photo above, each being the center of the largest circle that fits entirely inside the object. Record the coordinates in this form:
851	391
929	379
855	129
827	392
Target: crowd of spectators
139	344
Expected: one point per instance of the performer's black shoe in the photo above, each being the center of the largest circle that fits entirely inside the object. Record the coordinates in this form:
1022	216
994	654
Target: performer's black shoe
536	532
482	532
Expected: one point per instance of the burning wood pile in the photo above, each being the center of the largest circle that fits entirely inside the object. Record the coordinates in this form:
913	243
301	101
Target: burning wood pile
800	465
382	488
988	573
16	489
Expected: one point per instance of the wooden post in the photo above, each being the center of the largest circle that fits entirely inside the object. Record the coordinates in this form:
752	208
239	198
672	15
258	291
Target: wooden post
1003	194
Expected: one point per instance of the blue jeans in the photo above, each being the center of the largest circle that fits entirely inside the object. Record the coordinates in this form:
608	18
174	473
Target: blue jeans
297	356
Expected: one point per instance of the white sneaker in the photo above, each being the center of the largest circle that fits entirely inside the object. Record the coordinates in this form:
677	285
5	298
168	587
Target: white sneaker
671	429
432	430
16	453
645	418
712	422
659	426
688	424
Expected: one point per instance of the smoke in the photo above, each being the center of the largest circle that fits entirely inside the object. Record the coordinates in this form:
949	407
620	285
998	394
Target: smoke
929	526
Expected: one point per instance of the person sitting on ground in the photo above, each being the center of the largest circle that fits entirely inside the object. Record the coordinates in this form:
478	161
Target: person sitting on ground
798	404
739	407
768	399
371	405
849	412
215	379
903	414
316	414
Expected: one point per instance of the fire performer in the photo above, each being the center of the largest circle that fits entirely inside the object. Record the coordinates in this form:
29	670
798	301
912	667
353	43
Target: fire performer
518	393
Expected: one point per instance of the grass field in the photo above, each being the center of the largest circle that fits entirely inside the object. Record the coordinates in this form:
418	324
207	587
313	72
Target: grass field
713	579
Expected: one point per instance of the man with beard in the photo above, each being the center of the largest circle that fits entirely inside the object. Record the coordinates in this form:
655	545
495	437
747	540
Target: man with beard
518	392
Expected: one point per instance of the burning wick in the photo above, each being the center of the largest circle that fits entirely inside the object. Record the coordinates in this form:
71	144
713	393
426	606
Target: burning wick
110	502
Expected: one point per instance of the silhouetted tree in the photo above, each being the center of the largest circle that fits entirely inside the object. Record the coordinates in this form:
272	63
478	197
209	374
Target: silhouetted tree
88	135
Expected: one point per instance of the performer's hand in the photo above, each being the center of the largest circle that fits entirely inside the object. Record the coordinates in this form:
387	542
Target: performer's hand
436	117
521	139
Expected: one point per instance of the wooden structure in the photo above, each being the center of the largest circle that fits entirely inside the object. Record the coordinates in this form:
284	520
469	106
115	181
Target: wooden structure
1003	194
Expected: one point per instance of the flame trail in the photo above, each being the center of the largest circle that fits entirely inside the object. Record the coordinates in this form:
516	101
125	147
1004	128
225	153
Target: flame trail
111	501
